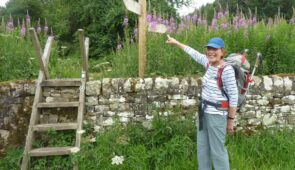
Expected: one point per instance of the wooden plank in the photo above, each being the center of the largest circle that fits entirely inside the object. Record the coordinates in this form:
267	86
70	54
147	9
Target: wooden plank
47	49
87	48
61	83
56	126
132	6
39	52
49	151
142	38
35	113
87	53
83	51
59	104
81	111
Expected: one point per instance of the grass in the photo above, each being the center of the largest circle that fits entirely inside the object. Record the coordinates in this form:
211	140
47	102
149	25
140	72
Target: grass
170	144
276	43
19	61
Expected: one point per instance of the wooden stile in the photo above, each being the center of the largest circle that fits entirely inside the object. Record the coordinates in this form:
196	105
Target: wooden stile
43	82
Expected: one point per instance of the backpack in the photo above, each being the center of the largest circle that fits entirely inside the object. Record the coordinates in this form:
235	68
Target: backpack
242	73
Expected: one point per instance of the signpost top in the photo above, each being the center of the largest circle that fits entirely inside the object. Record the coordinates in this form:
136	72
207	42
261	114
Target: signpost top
133	6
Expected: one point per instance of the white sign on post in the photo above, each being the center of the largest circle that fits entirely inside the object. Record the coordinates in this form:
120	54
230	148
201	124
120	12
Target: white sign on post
132	6
159	28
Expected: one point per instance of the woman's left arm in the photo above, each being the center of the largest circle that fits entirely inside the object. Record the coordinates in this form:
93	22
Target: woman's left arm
231	89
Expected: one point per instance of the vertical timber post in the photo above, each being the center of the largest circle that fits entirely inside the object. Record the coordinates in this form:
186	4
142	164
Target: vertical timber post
142	39
139	8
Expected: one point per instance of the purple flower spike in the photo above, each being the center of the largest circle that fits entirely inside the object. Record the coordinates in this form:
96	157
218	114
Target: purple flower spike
224	25
235	20
159	19
188	18
182	26
125	22
149	18
28	19
10	26
195	19
241	23
39	27
219	15
254	21
154	25
169	29
166	22
23	30
172	20
214	24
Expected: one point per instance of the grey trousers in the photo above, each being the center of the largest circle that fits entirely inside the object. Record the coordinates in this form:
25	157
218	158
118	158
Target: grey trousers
210	141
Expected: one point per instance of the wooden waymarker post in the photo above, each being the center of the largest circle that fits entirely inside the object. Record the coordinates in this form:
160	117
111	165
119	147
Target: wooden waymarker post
139	8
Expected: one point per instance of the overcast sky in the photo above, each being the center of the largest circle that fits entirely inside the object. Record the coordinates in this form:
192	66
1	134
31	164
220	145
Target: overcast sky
195	4
2	2
182	11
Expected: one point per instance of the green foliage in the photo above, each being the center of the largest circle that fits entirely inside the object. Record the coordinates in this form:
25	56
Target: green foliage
102	20
18	9
12	159
19	61
17	58
170	144
265	8
260	150
276	43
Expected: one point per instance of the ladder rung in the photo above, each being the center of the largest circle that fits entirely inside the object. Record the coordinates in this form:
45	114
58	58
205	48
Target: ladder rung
59	104
49	151
56	126
61	83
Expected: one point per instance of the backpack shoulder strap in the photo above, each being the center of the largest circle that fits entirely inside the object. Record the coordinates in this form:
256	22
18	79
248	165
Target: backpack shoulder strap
219	80
219	74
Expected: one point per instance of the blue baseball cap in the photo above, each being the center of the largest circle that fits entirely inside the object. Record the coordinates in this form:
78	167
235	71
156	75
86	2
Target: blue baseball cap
216	42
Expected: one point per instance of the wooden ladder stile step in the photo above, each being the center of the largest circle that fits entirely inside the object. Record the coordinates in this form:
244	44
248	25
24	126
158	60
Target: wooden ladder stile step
61	83
58	104
50	151
56	126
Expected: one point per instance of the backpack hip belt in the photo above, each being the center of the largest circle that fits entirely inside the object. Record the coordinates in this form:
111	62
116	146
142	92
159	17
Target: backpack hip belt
220	105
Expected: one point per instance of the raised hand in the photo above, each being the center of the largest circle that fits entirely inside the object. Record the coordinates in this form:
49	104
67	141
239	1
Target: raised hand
171	40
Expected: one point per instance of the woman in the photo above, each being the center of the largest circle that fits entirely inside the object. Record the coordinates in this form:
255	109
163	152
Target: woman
214	121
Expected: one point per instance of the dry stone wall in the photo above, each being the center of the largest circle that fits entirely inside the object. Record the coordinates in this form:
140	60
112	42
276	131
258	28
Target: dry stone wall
270	103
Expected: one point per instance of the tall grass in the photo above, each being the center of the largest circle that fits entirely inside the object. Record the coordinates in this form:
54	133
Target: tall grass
19	61
276	43
170	144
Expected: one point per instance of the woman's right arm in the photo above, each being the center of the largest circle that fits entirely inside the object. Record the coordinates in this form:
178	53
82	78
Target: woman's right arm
197	56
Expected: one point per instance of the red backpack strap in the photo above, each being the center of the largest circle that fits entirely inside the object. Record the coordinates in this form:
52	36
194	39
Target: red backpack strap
243	58
219	81
219	78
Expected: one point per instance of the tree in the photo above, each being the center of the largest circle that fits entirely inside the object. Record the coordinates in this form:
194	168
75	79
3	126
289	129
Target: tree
265	8
102	20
